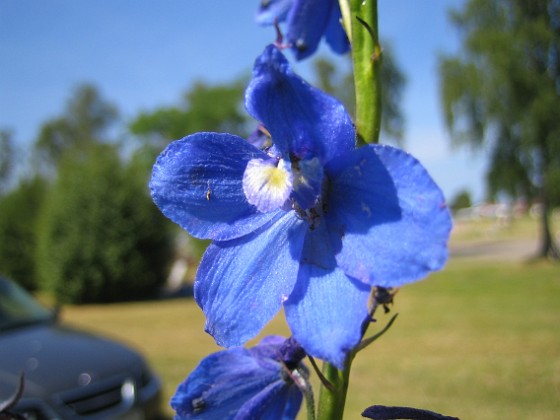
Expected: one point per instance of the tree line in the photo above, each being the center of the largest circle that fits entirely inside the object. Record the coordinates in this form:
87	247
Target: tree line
82	226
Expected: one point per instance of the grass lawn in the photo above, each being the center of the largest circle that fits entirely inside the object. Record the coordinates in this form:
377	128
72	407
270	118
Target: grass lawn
479	340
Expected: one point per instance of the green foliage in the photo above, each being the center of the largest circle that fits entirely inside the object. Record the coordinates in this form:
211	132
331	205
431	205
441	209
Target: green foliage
6	156
168	123
101	239
461	201
205	108
217	108
85	121
19	211
509	172
553	185
502	90
501	94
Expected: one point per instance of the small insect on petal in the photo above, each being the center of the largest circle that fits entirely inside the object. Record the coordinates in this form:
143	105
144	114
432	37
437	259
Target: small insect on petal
267	185
208	192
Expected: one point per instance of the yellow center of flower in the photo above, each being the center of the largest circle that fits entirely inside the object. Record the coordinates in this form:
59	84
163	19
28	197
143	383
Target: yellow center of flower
275	177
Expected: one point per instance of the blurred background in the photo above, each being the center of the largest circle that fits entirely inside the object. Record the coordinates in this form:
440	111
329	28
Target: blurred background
91	92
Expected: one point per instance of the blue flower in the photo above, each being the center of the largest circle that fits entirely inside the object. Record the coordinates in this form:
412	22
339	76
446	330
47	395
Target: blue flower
308	21
261	382
310	224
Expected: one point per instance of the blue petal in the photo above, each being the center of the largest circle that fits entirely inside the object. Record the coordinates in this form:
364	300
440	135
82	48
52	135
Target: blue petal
391	216
307	22
270	341
293	403
271	10
318	249
325	312
301	119
335	35
197	183
222	383
276	402
242	283
268	347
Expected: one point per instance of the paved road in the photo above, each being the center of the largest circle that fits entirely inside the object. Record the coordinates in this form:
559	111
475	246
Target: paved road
495	250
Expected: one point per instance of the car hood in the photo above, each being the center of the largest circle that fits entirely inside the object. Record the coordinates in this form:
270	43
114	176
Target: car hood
55	358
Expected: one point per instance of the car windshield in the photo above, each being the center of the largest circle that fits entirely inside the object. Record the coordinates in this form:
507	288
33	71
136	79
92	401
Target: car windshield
18	308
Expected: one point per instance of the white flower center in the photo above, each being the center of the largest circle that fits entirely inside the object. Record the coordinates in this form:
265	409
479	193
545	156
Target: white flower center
267	185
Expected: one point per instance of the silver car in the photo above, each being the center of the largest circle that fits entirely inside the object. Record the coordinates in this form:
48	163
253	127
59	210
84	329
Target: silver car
68	374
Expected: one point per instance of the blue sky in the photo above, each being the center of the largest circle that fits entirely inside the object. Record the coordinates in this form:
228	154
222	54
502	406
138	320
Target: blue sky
145	53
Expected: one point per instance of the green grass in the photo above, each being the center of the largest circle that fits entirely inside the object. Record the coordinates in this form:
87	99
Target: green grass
479	340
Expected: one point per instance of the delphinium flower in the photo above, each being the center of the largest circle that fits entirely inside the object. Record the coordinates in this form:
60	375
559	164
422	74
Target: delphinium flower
307	22
262	382
311	223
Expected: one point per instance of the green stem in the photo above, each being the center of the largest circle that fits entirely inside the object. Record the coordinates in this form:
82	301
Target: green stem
310	406
360	21
331	402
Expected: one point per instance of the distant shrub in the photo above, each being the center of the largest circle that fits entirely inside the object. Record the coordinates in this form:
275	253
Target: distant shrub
101	237
19	210
461	201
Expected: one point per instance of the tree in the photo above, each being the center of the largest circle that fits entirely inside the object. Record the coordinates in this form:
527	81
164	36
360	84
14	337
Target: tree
101	238
6	157
85	121
501	94
19	211
340	83
462	200
204	108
